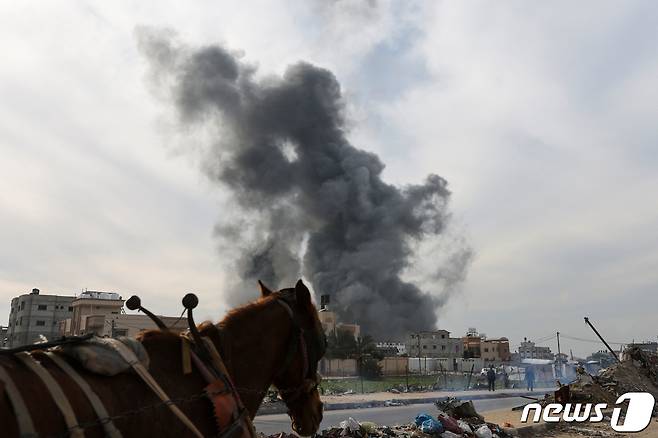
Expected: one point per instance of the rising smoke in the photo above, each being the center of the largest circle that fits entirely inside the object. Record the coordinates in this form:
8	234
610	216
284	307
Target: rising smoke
309	202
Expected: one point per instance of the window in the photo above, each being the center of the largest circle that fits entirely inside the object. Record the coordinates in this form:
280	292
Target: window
443	347
41	323
22	305
424	347
434	347
443	336
486	350
70	308
42	307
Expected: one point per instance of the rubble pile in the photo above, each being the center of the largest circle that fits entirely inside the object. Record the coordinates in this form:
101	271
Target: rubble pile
399	389
638	372
454	419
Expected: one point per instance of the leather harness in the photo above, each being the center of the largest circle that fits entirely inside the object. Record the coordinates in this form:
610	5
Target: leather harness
231	416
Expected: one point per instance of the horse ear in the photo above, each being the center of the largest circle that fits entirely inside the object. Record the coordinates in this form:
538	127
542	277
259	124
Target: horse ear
264	290
302	294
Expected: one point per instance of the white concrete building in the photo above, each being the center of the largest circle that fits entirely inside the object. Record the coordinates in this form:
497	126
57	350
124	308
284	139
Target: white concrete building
34	315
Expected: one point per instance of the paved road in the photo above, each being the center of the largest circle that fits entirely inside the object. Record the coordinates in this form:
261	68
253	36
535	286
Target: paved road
270	424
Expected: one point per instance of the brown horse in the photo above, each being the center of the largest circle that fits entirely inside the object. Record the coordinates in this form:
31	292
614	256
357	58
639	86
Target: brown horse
260	343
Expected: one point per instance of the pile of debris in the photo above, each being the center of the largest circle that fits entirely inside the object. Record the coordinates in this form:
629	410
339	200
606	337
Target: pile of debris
638	372
399	388
454	419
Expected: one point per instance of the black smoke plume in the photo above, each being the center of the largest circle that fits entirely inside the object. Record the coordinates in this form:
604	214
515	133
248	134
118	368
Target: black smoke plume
309	202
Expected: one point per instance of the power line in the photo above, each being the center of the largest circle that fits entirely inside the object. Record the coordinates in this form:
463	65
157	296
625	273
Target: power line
592	341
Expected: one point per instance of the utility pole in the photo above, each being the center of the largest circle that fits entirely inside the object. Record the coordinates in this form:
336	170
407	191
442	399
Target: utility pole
559	355
602	340
420	367
361	366
113	333
406	369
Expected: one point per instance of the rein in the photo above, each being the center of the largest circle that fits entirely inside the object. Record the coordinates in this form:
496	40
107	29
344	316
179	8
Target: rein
309	382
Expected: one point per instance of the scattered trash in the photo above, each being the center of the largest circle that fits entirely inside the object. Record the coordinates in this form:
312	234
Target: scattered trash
454	418
461	410
637	372
421	418
431	427
350	425
465	427
483	432
368	427
393	403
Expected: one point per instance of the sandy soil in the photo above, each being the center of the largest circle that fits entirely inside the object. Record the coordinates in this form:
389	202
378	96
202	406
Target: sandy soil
502	416
602	430
564	431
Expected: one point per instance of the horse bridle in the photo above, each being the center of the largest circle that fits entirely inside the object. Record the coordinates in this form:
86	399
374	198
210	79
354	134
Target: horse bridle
299	342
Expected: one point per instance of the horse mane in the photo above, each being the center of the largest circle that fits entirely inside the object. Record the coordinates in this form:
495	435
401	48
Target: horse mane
235	316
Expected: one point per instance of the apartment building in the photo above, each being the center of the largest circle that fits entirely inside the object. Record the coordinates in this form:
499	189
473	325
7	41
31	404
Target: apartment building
34	315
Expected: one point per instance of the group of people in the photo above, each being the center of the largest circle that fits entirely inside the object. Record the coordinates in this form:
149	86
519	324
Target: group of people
529	378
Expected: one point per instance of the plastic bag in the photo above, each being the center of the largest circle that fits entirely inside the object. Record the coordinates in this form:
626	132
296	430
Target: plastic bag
483	432
450	424
368	427
431	427
464	426
420	418
350	424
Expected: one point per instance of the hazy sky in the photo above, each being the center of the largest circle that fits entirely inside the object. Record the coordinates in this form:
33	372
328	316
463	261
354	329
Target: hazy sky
541	116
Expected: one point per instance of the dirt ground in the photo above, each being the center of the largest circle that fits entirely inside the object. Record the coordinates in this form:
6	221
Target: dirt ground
600	429
503	416
603	429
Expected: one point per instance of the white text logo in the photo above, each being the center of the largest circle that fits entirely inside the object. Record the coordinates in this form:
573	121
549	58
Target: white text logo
638	414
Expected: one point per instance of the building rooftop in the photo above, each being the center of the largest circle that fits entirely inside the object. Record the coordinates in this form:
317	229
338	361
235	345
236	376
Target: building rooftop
97	295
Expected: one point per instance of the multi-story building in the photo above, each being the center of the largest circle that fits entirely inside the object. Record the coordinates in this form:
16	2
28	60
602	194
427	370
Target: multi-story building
528	350
3	336
434	344
35	315
330	323
495	350
472	344
92	303
130	325
391	348
102	313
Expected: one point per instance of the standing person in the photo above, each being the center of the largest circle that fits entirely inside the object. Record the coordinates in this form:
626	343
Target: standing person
491	377
505	378
530	378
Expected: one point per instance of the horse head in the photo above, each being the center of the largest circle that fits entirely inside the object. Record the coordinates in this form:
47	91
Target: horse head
297	379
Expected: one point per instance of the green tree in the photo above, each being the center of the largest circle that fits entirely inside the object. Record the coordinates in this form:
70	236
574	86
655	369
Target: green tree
370	368
341	345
